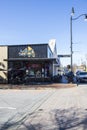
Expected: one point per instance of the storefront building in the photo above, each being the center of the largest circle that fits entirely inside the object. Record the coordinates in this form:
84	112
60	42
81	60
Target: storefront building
30	63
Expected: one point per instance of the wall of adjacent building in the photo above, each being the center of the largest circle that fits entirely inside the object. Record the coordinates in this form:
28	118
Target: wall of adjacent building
3	64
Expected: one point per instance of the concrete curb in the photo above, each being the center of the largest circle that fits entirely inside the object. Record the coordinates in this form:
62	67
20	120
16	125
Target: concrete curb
37	86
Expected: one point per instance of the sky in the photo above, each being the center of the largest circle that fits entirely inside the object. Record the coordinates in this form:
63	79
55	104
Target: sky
38	21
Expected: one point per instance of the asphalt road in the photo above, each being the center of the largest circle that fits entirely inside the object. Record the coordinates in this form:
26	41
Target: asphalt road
50	109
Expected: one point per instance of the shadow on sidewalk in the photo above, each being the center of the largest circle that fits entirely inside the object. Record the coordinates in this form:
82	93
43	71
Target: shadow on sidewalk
60	119
65	119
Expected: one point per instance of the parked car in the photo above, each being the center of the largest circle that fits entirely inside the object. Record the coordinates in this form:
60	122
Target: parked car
81	76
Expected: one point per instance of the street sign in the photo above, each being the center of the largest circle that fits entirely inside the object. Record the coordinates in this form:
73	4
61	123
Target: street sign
64	56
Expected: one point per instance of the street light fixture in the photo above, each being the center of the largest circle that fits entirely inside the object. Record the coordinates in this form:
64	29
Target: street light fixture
71	19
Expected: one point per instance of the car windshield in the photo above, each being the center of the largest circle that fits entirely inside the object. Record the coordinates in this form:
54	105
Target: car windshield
83	73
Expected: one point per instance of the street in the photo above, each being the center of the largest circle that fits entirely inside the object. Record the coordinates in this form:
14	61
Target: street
44	109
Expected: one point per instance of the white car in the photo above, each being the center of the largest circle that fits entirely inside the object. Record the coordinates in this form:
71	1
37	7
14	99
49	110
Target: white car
81	76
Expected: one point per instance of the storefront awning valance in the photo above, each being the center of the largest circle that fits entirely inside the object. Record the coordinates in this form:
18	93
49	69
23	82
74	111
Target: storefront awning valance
30	59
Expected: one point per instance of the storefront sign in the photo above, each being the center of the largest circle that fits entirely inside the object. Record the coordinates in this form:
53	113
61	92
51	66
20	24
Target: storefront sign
27	52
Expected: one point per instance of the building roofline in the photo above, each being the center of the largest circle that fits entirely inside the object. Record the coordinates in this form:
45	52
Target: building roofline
25	44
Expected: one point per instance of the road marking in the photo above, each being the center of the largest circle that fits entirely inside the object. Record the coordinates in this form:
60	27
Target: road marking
7	108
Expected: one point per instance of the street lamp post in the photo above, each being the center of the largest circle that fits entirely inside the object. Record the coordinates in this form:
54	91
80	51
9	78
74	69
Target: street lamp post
71	44
71	41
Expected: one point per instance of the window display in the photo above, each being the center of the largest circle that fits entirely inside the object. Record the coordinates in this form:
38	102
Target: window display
38	74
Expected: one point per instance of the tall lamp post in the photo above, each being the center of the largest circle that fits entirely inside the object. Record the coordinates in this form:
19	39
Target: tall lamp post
71	19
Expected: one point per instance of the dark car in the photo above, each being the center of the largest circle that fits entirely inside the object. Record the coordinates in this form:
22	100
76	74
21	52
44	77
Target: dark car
81	77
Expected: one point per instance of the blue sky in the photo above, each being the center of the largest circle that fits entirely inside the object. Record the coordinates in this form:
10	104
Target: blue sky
38	21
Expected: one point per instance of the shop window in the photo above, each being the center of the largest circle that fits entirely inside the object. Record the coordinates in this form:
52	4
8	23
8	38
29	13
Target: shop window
38	74
34	70
31	73
43	72
47	70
